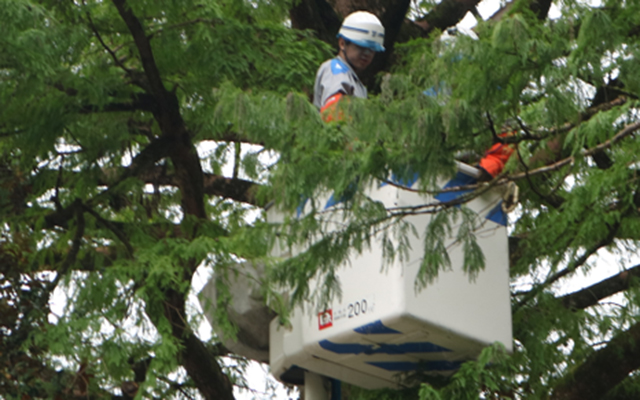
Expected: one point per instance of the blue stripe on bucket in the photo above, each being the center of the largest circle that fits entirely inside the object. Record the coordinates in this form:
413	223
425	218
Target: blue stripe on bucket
375	328
459	180
399	366
383	348
497	215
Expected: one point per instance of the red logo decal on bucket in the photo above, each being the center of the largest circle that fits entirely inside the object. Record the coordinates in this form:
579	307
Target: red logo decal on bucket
325	319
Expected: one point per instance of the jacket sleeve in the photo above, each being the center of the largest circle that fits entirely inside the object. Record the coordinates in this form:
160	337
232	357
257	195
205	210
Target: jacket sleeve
330	111
497	156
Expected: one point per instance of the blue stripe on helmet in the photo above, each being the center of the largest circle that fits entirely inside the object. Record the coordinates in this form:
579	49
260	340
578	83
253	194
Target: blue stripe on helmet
369	44
356	29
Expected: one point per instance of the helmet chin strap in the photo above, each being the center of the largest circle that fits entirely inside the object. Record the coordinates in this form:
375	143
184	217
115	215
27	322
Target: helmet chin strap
344	55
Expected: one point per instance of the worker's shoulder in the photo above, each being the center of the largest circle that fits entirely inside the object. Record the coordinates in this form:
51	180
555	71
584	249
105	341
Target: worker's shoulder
334	66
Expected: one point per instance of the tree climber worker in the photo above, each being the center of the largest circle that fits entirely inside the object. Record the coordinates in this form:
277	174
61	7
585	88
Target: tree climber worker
360	37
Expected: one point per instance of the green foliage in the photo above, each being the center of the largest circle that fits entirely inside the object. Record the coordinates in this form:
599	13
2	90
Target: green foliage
488	375
81	220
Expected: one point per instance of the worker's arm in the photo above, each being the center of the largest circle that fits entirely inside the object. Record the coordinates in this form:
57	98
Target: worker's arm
330	110
495	158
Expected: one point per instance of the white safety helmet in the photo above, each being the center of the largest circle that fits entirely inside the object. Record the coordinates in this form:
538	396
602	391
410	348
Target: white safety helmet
363	29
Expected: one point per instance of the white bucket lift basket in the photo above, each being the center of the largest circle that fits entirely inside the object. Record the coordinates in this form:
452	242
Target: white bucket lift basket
382	329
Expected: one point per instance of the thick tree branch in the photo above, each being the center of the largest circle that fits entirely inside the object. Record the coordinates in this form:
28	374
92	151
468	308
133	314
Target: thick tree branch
144	49
392	13
230	188
62	216
603	370
199	361
591	295
141	102
318	16
446	14
182	152
75	244
214	185
626	131
539	7
199	364
151	154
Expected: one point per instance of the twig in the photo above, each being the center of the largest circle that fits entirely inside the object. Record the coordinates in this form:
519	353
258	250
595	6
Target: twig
236	160
552	202
56	197
496	138
9	134
527	132
75	245
115	58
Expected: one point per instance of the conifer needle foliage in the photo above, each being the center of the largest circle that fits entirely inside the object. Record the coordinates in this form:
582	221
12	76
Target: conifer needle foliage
140	142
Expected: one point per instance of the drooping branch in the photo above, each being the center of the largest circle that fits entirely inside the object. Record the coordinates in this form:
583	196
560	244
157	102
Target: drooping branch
603	370
606	95
113	228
